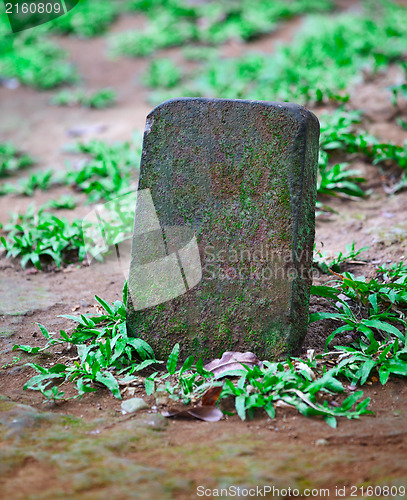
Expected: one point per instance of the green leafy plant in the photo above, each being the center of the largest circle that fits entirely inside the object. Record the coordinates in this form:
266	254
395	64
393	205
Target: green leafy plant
320	64
11	159
110	171
64	202
400	90
339	133
89	18
40	180
383	359
162	73
15	360
208	22
196	53
337	130
109	226
107	356
338	180
264	387
100	99
366	307
104	352
186	384
350	254
274	384
33	237
33	59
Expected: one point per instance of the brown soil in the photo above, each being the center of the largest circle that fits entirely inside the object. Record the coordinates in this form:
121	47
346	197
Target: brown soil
288	451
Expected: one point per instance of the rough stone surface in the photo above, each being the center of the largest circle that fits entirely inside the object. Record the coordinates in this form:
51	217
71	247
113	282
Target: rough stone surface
134	404
240	177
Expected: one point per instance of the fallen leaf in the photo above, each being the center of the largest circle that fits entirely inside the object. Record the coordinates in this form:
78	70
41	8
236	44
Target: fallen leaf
206	413
75	308
282	404
211	396
299	366
232	361
81	130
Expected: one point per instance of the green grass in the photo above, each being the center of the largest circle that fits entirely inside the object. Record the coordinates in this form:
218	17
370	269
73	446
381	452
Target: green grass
365	308
110	171
350	254
27	186
89	18
162	73
104	352
99	99
11	159
174	22
37	237
32	58
107	356
327	56
369	309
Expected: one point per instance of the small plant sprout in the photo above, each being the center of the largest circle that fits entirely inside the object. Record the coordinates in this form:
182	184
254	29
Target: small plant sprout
100	99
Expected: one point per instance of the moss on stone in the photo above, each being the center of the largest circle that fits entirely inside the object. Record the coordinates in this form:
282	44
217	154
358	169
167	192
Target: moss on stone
238	173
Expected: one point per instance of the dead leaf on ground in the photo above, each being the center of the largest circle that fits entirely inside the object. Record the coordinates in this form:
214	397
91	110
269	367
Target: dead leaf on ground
80	130
211	396
206	413
301	366
232	361
282	404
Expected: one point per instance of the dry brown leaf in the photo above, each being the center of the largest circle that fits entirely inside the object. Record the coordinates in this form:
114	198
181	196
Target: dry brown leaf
211	396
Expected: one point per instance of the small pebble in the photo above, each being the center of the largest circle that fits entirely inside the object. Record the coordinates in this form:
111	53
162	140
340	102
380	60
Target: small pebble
134	404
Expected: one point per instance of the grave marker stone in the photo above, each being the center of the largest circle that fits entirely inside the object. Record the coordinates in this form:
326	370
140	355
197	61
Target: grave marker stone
224	228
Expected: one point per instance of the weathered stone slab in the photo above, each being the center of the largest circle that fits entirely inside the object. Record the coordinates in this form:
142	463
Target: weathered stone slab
224	227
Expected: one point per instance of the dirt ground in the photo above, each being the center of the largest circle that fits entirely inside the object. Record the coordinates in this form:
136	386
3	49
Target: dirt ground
98	453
